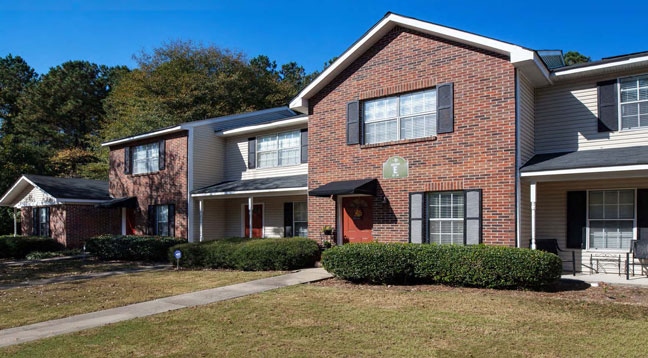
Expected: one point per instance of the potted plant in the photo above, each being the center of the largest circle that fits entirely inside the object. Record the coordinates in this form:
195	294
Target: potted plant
327	230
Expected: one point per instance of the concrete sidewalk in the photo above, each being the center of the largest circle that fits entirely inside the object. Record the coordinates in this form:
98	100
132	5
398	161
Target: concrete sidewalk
52	328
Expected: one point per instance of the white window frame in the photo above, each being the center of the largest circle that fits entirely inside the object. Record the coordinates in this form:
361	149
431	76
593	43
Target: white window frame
152	162
158	223
588	226
295	221
278	150
452	219
398	117
620	103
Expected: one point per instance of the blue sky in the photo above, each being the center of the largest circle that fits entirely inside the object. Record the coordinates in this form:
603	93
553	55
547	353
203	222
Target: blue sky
47	33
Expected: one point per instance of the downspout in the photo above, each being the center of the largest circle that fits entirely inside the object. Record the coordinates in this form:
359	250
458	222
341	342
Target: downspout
518	201
15	217
190	179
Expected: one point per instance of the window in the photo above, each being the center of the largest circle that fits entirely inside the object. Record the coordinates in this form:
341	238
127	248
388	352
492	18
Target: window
408	116
611	217
162	220
278	150
446	217
300	218
146	158
634	102
41	221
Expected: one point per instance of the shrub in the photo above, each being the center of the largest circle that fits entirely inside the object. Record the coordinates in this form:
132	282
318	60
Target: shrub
473	266
131	248
249	254
18	247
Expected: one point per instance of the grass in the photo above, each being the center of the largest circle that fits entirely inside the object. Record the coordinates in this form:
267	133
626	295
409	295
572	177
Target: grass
30	271
26	305
339	321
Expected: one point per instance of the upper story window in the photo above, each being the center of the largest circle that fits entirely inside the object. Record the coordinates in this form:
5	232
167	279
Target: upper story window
146	158
408	116
634	102
278	150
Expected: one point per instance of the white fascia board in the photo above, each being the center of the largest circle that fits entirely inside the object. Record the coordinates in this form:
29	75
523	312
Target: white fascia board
269	192
517	54
557	172
143	136
604	66
21	182
261	127
78	201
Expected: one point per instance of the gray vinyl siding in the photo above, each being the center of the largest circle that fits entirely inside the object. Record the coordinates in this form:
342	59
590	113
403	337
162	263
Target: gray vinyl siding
566	120
208	157
236	151
551	209
526	110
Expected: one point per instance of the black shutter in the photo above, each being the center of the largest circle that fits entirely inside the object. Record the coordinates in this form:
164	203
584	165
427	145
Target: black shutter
642	214
417	218
288	220
127	160
251	153
304	145
47	222
161	154
576	219
473	217
608	119
445	108
35	220
152	218
171	220
353	122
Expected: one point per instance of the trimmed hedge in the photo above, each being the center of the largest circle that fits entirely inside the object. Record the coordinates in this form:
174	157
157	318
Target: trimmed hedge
249	254
18	247
472	266
131	248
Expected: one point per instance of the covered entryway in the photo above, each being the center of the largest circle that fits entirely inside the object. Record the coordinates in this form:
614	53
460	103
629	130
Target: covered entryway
354	208
257	221
357	219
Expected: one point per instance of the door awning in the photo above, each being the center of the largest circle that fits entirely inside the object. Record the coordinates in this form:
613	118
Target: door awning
360	186
126	202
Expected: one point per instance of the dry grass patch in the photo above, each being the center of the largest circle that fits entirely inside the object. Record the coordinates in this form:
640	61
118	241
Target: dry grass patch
26	305
31	271
324	320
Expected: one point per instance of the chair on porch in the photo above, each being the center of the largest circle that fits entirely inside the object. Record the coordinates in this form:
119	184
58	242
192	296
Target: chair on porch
638	251
551	245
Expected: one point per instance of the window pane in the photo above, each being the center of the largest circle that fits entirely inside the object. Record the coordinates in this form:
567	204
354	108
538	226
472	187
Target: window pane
290	140
380	109
381	132
301	229
445	217
300	211
266	143
419	102
267	159
289	157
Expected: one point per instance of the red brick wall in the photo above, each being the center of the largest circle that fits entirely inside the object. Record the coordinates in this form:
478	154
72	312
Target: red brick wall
72	224
479	154
167	186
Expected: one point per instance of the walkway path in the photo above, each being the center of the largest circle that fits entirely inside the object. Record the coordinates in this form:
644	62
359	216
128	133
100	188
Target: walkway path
52	328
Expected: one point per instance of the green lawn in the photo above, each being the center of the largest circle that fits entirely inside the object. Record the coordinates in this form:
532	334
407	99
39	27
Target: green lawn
26	305
339	321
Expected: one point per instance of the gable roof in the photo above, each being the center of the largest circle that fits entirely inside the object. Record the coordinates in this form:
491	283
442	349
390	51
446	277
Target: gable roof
62	189
522	58
220	123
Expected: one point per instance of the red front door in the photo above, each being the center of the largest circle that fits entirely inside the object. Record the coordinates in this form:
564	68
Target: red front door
257	221
357	219
130	221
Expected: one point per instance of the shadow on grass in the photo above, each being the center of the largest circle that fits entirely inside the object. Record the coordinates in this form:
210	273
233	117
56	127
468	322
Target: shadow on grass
564	285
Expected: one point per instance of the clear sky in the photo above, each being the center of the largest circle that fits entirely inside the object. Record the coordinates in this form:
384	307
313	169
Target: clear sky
47	33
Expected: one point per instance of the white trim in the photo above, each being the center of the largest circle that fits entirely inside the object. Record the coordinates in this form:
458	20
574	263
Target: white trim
79	201
123	221
143	136
518	164
518	55
260	127
190	185
260	191
603	66
18	182
585	170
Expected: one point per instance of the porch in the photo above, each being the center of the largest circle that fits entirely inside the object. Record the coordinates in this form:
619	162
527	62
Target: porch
265	207
593	202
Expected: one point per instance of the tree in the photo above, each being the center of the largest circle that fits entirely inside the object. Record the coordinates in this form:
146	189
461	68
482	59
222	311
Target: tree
574	57
15	77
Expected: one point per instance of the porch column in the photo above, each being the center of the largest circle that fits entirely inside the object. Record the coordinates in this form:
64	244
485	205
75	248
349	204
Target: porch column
533	215
15	215
250	209
201	210
123	221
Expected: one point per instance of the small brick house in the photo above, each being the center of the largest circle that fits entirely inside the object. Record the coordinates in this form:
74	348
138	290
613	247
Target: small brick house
62	208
